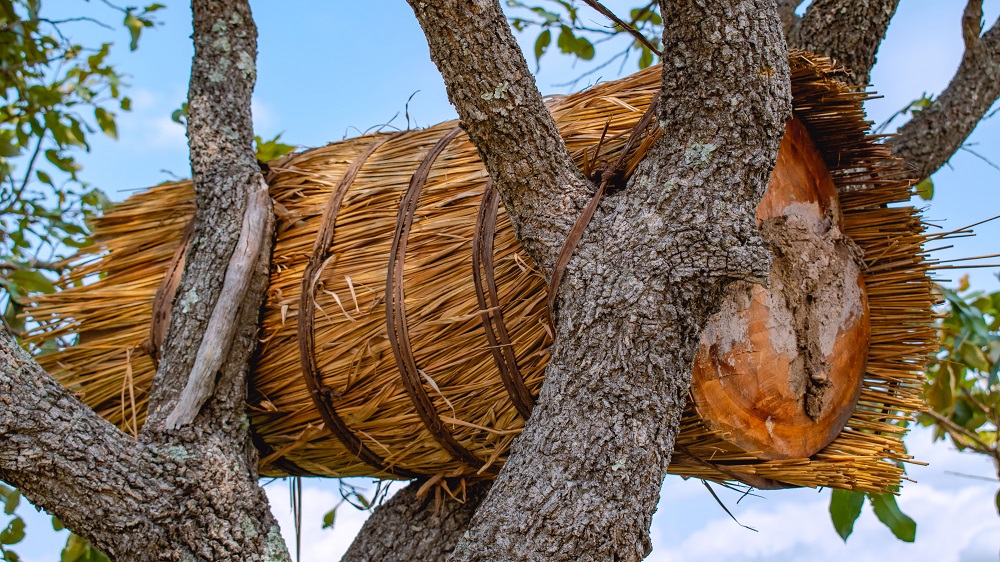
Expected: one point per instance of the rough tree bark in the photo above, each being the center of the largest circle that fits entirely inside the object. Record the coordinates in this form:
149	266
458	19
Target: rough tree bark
786	11
653	260
955	113
411	527
848	31
188	493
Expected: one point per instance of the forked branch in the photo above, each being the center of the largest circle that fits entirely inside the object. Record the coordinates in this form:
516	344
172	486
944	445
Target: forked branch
491	86
848	31
935	133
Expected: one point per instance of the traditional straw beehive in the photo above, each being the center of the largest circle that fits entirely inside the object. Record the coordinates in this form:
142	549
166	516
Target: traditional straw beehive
406	332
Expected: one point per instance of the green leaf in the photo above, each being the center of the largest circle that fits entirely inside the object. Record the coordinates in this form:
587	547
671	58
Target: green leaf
126	104
918	105
364	501
14	533
646	58
584	48
542	43
180	114
964	413
44	177
566	41
638	15
78	549
13	499
134	26
11	556
32	281
549	16
64	163
106	121
997	501
845	507
888	513
271	149
8	144
57	525
973	357
940	395
329	518
75	548
925	189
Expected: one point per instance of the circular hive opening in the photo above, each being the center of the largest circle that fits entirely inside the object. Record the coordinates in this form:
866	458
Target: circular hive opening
779	368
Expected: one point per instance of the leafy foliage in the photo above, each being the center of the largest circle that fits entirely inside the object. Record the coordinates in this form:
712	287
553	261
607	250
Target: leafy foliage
273	149
962	389
845	508
56	93
577	34
79	550
13	533
962	393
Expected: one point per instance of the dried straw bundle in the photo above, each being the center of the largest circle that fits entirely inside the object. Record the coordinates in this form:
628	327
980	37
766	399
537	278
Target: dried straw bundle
362	417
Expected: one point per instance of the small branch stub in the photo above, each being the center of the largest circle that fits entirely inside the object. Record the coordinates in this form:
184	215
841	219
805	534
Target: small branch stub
222	325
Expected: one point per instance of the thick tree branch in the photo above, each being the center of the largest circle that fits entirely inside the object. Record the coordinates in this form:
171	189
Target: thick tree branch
222	325
935	133
490	85
848	31
188	493
410	527
69	460
124	496
226	178
786	11
643	279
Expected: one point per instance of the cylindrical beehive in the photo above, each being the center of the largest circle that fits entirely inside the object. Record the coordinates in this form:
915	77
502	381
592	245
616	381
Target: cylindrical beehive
406	332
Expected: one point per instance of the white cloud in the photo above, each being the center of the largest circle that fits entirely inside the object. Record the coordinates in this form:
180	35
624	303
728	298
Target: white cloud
148	127
947	525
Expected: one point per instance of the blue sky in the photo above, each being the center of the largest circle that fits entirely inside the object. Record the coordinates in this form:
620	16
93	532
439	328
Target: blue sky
329	69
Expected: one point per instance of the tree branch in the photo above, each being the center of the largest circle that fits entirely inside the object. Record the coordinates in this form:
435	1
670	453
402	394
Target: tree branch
654	258
934	134
122	495
626	27
968	438
489	83
786	11
848	31
227	180
67	459
188	493
410	527
222	324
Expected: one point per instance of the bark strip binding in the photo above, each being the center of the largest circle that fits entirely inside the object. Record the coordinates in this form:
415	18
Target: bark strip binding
395	314
489	303
321	395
